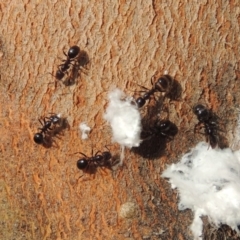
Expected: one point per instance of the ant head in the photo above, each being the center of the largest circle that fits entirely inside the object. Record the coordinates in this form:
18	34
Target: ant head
82	163
164	83
73	51
38	138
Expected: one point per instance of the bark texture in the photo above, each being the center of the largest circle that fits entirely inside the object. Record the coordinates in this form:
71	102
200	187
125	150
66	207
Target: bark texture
41	194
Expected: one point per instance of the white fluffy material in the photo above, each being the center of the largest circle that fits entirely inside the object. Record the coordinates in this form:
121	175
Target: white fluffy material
208	181
124	117
85	130
235	143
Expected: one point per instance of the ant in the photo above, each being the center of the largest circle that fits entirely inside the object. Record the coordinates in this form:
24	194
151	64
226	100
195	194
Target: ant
163	128
62	68
208	120
142	100
98	160
155	136
164	84
72	53
148	93
46	127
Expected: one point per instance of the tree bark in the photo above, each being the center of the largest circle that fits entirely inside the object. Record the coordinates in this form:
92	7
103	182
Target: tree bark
43	195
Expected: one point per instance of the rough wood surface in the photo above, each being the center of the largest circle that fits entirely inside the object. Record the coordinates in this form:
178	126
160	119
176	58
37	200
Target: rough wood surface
41	194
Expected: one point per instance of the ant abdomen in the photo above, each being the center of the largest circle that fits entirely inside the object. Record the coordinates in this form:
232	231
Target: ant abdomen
140	102
38	138
161	128
166	128
82	163
164	84
73	52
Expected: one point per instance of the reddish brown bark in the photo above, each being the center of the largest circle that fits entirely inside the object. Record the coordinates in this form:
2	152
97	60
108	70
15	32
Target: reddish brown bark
127	42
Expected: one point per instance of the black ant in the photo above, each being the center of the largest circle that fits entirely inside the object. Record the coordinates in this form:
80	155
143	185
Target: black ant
72	53
54	118
164	84
142	100
148	93
98	160
154	137
208	120
163	128
62	68
46	127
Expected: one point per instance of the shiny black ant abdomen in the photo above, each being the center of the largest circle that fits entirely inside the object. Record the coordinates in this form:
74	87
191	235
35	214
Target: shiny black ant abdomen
98	160
164	84
73	52
209	121
163	128
155	136
38	138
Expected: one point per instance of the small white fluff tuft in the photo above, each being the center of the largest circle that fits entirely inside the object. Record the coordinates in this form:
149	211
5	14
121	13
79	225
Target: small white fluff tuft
208	181
235	145
85	130
124	118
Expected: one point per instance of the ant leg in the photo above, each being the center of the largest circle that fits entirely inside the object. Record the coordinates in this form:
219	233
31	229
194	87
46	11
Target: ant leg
65	54
152	78
82	154
52	114
97	153
198	127
42	123
61	59
104	170
106	146
146	89
83	69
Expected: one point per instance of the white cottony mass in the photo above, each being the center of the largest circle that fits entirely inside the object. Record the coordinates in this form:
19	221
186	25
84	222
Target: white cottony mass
85	130
124	117
208	182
